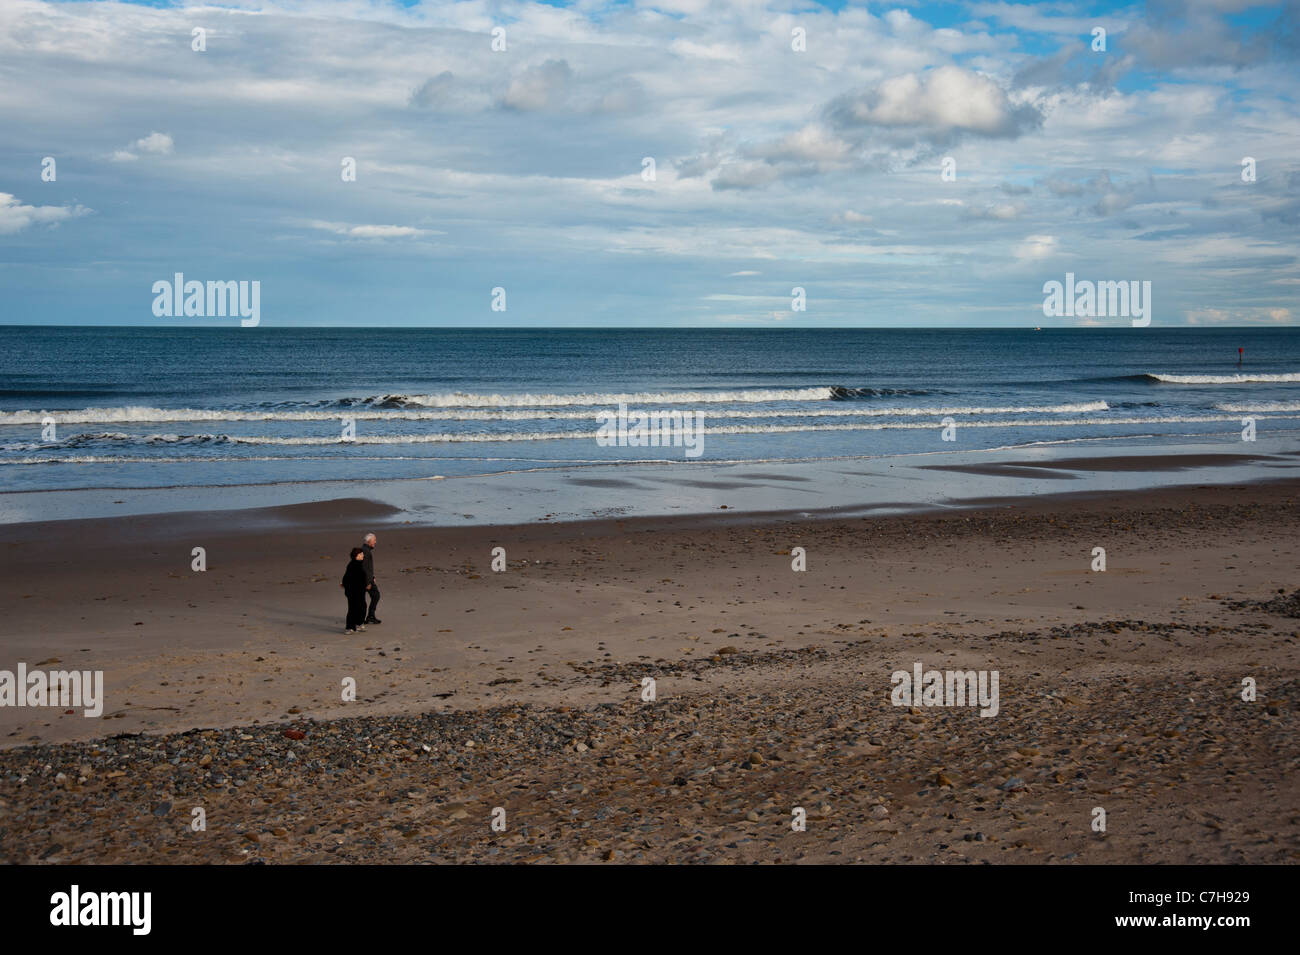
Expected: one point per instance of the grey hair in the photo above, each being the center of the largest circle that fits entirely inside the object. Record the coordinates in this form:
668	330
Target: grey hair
369	537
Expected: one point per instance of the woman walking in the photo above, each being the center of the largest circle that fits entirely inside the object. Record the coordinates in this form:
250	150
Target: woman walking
354	586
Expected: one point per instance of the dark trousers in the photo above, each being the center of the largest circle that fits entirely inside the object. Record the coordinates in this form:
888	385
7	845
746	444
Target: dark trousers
356	608
374	599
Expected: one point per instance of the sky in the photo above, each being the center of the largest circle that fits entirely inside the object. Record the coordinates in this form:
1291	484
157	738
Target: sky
649	162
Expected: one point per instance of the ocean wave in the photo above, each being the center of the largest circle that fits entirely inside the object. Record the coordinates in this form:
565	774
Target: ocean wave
71	441
507	437
1094	380
1225	379
1259	406
931	420
461	399
455	438
99	437
515	436
144	415
842	393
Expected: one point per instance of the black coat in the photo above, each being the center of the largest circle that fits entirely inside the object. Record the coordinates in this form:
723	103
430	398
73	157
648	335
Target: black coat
369	563
354	578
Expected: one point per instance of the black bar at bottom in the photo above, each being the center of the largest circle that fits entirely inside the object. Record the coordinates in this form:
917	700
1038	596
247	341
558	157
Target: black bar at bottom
910	905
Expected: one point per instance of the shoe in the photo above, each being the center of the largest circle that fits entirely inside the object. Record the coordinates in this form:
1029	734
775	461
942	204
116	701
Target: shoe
349	631
374	620
361	629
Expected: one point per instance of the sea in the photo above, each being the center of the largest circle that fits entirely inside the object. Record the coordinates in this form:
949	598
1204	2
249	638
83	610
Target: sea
168	407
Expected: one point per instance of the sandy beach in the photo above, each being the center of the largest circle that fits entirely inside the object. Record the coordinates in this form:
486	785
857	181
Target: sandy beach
795	433
522	689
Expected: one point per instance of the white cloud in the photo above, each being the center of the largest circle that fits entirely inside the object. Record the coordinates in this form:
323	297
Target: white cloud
745	175
15	216
539	87
372	231
705	51
997	210
1240	316
160	144
813	142
155	144
945	99
1036	247
849	217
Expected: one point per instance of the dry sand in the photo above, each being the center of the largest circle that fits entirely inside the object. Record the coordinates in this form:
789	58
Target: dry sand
521	689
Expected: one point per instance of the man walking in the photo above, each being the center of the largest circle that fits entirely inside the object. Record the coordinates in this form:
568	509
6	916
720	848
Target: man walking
372	588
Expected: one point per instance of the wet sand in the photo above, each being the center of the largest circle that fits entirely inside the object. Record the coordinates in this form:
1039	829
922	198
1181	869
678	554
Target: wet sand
849	486
1113	462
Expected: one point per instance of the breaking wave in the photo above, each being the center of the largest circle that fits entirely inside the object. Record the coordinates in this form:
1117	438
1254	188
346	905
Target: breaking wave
1224	379
143	415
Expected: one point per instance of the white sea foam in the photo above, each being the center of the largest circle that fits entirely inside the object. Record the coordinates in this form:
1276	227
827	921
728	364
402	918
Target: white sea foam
141	415
1259	407
462	437
469	400
513	436
1224	379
